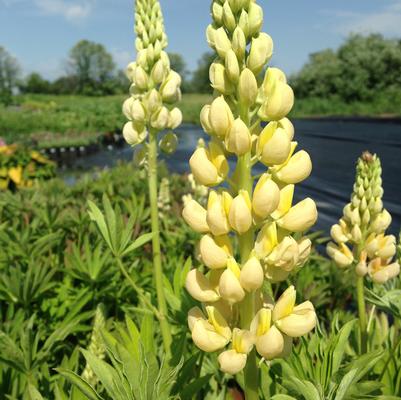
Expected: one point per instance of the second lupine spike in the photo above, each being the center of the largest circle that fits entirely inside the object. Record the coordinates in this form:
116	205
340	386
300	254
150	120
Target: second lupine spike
359	238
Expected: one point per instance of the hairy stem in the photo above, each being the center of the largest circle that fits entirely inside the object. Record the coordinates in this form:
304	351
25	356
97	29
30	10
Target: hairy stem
157	264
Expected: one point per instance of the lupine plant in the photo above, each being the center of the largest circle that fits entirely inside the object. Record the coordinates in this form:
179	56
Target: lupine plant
359	238
252	235
154	87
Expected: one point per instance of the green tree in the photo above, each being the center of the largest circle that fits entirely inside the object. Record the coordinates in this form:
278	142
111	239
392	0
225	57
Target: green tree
93	67
9	75
200	82
35	83
359	69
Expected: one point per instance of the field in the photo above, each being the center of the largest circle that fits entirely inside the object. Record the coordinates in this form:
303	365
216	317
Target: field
73	120
48	120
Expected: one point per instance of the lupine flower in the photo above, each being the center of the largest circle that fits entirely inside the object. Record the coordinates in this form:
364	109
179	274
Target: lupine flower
263	215
359	237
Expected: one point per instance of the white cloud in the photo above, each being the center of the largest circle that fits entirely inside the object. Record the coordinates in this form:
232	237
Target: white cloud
71	11
386	20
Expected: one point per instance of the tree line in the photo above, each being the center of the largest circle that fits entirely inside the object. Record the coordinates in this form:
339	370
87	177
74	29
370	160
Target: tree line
359	68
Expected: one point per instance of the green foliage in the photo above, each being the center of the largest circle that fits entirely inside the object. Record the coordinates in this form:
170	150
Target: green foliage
92	66
361	69
9	74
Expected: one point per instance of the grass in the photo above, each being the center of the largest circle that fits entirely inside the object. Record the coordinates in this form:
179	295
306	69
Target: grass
73	120
49	120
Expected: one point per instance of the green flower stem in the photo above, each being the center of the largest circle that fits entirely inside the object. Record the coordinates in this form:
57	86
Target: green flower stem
247	307
362	313
157	264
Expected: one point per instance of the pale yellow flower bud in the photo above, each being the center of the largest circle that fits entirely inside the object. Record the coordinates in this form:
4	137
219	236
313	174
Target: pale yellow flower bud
232	362
301	321
218	78
154	101
266	240
194	315
380	272
266	196
261	322
130	71
285	255
271	344
175	118
230	288
243	23
247	87
134	110
232	66
338	234
238	141
170	89
300	217
380	246
286	197
215	251
361	268
251	276
381	222
204	119
195	216
297	169
132	135
260	53
158	72
304	248
285	304
217	212
217	12
209	167
220	117
210	34
206	337
243	340
340	254
140	78
287	125
239	43
274	145
278	104
221	42
356	234
228	17
159	120
240	215
199	287
255	15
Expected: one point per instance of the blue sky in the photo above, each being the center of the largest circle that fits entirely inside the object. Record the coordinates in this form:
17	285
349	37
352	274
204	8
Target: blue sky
41	32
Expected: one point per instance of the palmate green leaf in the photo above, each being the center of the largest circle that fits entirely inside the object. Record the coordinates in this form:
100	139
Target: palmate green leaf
148	334
139	242
96	215
33	393
11	354
345	384
305	389
282	397
108	376
194	387
389	301
81	384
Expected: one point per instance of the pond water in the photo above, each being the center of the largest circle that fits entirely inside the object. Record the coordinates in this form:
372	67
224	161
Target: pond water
334	146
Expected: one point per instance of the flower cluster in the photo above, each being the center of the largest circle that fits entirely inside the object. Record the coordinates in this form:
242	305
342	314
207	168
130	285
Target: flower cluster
247	120
359	237
154	83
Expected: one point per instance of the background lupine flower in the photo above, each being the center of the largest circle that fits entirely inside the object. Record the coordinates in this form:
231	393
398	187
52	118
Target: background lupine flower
359	238
247	120
154	84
